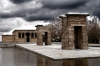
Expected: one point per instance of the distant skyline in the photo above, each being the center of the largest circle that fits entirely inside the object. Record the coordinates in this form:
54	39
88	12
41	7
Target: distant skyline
20	14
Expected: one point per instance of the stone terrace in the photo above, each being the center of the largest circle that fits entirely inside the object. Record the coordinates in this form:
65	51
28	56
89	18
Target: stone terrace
55	52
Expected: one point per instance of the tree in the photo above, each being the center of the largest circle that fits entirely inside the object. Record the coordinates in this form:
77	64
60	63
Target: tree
55	26
94	30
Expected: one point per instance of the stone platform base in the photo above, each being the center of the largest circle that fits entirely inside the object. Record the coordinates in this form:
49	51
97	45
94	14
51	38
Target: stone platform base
55	52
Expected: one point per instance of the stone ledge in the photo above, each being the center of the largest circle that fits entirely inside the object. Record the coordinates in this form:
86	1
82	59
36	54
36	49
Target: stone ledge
56	53
94	45
7	45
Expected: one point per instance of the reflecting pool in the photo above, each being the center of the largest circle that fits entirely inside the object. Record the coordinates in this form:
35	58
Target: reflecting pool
19	57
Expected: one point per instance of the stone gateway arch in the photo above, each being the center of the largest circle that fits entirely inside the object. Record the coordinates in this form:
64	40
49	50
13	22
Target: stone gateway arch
74	31
43	31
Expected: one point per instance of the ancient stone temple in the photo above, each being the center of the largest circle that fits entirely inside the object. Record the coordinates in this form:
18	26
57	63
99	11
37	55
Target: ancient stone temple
20	36
40	35
43	34
74	31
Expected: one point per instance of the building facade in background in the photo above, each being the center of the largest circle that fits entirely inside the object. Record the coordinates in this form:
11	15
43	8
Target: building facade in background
20	36
41	35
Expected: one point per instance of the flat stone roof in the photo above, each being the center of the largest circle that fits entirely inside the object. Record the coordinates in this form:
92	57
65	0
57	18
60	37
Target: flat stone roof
55	52
77	14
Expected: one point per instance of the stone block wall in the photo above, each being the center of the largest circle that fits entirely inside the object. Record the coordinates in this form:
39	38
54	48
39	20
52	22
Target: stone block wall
24	39
68	31
8	38
71	37
40	31
64	33
85	37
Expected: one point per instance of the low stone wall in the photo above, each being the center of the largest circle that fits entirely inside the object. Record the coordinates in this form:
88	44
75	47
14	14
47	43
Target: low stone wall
6	45
8	38
10	45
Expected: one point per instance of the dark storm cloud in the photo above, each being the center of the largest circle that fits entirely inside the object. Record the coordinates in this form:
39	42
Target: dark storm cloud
20	1
5	29
63	4
11	15
53	8
20	13
5	15
33	14
46	12
34	18
40	17
41	14
97	11
98	15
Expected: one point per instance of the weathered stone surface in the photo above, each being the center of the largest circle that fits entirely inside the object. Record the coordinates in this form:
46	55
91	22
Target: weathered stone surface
46	31
74	32
15	38
29	36
8	38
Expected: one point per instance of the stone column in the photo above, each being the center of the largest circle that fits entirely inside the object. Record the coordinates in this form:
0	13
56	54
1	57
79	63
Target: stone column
39	38
64	30
16	37
85	37
49	38
39	35
71	38
67	35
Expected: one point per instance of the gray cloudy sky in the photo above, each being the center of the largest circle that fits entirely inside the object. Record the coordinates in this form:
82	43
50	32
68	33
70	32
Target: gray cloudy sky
21	13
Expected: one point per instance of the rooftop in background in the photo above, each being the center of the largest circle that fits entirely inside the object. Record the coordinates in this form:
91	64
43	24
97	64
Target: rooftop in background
77	14
24	30
38	25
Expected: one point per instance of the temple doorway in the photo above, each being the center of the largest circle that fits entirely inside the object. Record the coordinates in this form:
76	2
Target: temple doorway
45	38
78	37
27	37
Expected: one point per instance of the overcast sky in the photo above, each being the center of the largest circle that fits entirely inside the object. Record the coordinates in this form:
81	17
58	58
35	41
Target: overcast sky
23	14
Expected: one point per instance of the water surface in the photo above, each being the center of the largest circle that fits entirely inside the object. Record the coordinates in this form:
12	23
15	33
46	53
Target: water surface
19	57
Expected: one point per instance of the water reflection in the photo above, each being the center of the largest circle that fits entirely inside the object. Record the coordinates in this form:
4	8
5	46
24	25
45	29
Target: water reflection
77	62
24	58
19	57
47	62
43	61
7	57
39	61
